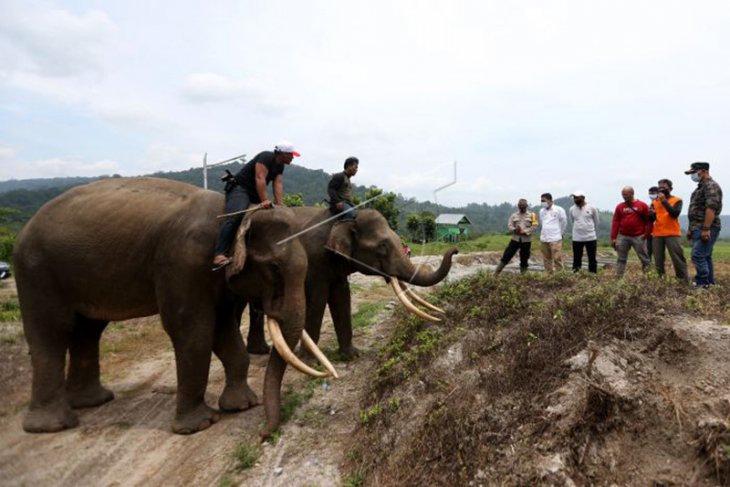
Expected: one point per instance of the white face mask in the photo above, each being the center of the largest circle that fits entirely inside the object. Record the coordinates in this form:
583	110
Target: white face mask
695	177
544	204
652	196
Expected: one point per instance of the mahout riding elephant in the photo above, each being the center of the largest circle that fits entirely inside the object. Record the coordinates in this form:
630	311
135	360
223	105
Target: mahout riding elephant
123	248
367	245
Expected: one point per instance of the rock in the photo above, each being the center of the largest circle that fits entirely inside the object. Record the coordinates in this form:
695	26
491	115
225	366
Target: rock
278	471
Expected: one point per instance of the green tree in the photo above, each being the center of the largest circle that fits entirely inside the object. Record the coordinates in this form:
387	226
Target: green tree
383	202
413	226
294	199
7	238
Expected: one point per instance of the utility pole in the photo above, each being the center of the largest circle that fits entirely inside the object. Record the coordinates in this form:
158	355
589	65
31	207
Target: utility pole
241	159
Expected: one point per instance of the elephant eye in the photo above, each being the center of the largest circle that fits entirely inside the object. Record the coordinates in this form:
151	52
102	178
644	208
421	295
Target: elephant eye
382	249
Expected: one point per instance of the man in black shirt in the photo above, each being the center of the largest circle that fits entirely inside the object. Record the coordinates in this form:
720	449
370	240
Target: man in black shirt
340	190
249	186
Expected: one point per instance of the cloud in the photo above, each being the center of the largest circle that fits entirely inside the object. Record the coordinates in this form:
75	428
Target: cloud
6	152
41	38
12	168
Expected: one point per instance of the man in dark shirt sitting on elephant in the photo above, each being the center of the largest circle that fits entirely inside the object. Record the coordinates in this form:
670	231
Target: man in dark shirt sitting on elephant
249	186
340	191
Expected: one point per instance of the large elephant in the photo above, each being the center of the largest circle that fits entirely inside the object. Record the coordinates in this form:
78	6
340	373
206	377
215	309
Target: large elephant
367	245
124	248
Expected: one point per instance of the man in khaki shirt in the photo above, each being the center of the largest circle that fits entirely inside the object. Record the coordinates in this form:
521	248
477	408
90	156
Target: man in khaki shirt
520	226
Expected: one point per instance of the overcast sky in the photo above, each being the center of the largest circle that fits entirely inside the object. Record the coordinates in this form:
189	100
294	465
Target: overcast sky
527	97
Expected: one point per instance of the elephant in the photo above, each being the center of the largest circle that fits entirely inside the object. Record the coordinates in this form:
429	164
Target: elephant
123	248
366	245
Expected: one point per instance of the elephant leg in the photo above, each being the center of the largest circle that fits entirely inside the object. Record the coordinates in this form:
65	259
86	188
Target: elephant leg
191	332
48	336
228	347
316	303
83	386
341	311
256	343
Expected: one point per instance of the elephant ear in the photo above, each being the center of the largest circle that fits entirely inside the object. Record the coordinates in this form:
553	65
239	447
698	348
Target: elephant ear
239	249
342	238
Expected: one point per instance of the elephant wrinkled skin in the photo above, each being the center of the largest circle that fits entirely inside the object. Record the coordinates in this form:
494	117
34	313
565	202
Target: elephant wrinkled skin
124	248
367	245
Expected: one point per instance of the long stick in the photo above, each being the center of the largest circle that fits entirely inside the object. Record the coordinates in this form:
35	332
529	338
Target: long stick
253	208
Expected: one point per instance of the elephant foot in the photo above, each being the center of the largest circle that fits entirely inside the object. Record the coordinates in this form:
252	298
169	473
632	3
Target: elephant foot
200	418
237	398
258	348
88	397
349	353
50	420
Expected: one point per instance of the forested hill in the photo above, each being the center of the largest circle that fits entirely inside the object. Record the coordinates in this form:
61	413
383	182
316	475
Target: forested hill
27	196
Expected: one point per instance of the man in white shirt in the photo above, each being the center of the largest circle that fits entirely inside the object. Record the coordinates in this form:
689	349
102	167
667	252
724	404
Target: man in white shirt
553	223
585	226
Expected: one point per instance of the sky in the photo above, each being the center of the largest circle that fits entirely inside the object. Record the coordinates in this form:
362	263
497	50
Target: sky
521	97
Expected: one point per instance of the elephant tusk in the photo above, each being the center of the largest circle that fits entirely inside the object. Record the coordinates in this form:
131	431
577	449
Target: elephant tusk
395	284
286	353
420	300
312	347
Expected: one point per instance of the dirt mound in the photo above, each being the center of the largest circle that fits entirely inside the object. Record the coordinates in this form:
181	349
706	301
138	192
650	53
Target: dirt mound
562	380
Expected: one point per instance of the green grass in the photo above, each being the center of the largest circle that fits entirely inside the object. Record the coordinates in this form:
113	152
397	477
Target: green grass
366	313
9	310
246	456
498	242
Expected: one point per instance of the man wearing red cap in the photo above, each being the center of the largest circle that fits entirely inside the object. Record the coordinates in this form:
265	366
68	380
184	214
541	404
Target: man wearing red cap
249	186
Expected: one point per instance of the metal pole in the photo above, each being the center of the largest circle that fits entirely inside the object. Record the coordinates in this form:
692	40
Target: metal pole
205	171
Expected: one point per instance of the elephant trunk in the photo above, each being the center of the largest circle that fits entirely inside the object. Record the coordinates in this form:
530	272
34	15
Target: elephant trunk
286	329
422	276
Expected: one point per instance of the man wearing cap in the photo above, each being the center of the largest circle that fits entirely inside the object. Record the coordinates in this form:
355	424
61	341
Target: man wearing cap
249	186
629	229
664	212
585	225
520	225
553	223
339	190
705	207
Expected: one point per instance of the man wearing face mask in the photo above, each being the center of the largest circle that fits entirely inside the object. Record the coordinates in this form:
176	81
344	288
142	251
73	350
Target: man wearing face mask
520	226
554	222
653	194
585	224
664	212
629	229
705	207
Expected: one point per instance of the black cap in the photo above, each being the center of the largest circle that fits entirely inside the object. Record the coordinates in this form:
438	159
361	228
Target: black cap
697	166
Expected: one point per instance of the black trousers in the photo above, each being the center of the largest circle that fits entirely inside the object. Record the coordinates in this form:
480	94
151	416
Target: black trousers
590	247
511	250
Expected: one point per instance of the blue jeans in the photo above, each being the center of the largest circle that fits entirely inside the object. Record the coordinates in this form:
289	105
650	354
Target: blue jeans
702	256
348	212
237	199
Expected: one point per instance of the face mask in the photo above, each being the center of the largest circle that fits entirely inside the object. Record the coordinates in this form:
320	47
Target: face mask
628	201
544	204
652	196
665	192
695	177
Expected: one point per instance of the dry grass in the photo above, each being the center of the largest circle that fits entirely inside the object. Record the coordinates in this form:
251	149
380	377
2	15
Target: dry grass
514	333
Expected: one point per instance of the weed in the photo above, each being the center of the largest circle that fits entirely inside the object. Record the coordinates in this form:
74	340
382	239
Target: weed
226	481
355	479
366	313
367	415
246	456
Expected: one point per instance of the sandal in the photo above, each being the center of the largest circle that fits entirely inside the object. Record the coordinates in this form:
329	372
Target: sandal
221	264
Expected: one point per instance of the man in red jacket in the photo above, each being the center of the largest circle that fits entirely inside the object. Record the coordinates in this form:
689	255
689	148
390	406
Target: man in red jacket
629	229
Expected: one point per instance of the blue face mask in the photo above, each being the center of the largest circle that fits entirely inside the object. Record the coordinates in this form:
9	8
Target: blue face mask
652	196
695	177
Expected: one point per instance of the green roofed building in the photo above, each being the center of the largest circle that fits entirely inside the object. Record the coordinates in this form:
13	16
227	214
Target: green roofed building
452	227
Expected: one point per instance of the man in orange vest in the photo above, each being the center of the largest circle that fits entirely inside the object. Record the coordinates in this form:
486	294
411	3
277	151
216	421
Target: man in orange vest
664	212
